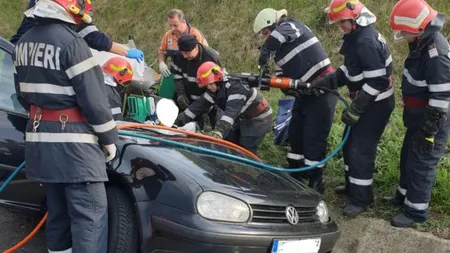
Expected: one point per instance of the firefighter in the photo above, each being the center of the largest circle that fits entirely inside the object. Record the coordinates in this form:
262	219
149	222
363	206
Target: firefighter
118	73
62	88
184	66
169	43
94	38
241	105
298	54
426	113
366	72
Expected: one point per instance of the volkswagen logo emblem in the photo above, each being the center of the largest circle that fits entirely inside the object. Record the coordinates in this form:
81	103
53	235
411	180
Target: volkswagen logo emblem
292	215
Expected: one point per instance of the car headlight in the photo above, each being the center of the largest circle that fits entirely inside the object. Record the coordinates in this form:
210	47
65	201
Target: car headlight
219	207
322	212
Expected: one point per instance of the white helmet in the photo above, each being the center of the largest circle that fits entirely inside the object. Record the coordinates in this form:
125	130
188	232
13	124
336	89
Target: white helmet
267	17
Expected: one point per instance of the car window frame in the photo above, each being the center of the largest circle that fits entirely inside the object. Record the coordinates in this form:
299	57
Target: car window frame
8	47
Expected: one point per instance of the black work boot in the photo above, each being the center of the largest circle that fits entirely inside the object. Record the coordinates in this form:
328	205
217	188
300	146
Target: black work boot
316	180
401	221
353	210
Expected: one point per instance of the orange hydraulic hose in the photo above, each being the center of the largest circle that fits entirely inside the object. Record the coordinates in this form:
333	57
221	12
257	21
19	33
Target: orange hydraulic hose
135	125
29	236
201	136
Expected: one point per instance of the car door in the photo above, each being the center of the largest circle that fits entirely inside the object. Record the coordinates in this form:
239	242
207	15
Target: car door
13	118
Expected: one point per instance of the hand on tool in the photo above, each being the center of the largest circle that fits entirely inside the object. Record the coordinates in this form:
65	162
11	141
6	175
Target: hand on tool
110	151
163	69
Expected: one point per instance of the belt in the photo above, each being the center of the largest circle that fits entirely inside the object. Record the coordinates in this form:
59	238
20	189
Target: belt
259	109
64	115
413	102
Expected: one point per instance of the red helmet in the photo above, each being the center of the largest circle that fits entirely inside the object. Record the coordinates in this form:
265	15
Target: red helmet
344	9
78	9
411	16
120	69
209	72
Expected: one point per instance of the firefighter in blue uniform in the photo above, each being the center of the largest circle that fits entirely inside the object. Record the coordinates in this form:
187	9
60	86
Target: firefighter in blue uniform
118	73
299	55
70	127
94	38
426	113
366	72
190	55
241	105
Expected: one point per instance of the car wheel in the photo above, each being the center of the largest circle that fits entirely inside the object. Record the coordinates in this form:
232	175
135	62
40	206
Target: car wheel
122	224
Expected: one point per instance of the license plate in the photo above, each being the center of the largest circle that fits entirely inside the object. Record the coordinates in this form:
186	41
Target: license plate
296	246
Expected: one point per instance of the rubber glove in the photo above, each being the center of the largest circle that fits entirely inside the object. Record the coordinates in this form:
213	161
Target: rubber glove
110	151
163	69
135	54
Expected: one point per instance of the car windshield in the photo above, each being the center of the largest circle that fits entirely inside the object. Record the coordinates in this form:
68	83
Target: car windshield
8	100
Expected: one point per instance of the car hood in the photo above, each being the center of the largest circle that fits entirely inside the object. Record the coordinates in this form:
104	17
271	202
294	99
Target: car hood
247	182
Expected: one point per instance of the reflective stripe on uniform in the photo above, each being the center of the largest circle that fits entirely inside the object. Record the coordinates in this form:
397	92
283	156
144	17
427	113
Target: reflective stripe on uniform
355	78
46	88
69	250
385	94
190	78
314	69
443	87
411	80
278	36
194	97
297	50
401	190
310	162
81	67
370	90
294	156
189	113
104	127
175	67
439	103
236	97
227	119
250	100
417	206
61	138
209	98
176	76
345	167
87	30
360	182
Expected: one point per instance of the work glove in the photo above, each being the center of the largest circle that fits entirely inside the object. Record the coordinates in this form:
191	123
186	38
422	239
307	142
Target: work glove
264	56
135	54
349	117
422	142
110	152
293	92
163	69
215	133
328	81
182	119
357	108
182	101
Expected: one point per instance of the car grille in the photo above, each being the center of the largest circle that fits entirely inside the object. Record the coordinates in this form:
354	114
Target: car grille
277	214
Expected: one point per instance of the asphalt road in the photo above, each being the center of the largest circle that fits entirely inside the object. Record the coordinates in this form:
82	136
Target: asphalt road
16	225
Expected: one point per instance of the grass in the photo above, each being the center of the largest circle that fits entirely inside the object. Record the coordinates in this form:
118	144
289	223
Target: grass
228	28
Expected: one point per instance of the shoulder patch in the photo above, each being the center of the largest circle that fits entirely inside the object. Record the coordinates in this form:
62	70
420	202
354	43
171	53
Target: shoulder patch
432	51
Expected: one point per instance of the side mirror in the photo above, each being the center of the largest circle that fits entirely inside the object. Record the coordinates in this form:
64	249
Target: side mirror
167	112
